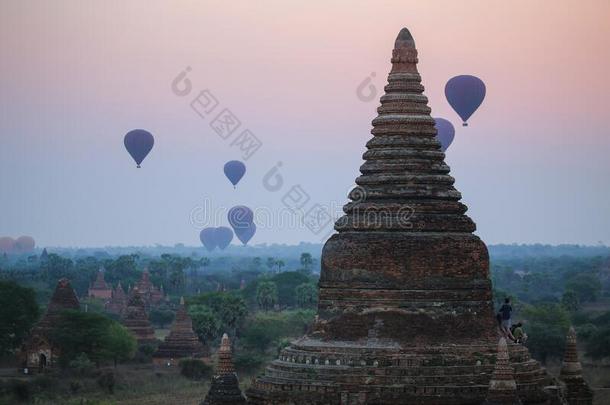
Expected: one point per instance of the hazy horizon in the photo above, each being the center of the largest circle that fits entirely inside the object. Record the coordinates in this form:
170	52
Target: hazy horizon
532	166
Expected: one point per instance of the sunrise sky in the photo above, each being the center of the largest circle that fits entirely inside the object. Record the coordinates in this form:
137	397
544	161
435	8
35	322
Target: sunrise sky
533	166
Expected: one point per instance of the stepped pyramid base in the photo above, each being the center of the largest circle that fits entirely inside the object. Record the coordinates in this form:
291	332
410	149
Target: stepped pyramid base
375	371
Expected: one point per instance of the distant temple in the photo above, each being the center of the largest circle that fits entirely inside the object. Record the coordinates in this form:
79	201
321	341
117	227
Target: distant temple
38	353
181	342
118	301
224	389
405	312
578	391
135	319
151	295
100	289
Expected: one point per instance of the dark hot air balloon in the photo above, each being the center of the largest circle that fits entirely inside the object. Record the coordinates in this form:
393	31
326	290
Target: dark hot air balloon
223	236
240	216
444	132
139	143
245	234
465	93
234	170
208	238
25	244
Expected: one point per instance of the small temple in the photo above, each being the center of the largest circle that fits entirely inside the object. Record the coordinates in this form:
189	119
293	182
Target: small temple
224	389
135	319
182	342
578	391
38	352
151	295
118	301
100	289
502	386
405	312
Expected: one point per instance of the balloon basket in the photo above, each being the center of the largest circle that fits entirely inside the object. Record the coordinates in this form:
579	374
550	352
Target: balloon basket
464	124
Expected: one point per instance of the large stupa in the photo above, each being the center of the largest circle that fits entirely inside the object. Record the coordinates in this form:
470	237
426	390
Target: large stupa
405	314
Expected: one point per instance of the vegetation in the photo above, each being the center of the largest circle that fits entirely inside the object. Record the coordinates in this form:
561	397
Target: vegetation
95	336
18	312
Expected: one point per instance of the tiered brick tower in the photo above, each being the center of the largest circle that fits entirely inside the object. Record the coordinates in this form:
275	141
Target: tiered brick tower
405	309
99	288
136	320
578	391
118	301
181	342
502	387
225	386
38	352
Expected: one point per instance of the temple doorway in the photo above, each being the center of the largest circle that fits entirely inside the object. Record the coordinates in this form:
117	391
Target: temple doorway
42	362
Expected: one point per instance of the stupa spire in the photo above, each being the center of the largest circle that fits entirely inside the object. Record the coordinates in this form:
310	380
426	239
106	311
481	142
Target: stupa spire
502	387
225	386
225	357
578	391
405	183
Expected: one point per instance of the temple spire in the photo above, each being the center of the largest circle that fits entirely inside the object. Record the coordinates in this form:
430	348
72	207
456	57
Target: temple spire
225	386
578	391
502	387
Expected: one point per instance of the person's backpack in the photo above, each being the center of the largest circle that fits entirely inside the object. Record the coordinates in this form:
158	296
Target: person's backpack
505	311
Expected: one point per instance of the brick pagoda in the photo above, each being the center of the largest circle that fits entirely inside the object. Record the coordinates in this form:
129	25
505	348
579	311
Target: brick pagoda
38	352
578	391
224	389
405	313
181	342
135	319
100	289
118	301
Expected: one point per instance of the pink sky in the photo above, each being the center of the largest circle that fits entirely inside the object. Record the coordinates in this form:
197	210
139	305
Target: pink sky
533	166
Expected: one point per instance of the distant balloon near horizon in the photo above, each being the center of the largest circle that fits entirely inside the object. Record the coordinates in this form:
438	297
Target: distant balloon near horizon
445	132
465	93
235	170
139	143
245	234
223	236
208	238
25	244
7	245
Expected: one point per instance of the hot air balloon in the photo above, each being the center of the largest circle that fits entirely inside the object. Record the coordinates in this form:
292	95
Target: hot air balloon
7	245
208	238
240	216
139	143
244	234
234	170
444	132
25	244
465	93
223	236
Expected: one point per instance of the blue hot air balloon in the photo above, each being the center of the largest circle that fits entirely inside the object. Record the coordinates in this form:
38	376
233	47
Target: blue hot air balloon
465	93
139	143
223	236
240	217
235	170
208	238
246	233
444	132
